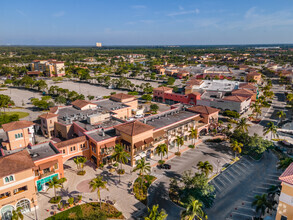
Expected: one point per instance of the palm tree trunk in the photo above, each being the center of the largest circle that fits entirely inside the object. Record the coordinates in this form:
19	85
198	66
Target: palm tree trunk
55	193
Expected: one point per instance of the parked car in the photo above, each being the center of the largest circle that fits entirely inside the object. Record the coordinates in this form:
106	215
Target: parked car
138	116
164	166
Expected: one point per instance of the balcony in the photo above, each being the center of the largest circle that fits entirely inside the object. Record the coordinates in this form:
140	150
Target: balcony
46	174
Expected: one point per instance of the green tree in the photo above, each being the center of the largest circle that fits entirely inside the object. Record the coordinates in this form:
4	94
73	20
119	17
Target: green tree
205	167
120	156
162	150
147	97
261	203
193	211
5	101
281	115
155	214
154	108
143	167
284	163
17	214
193	134
60	100
290	97
56	183
82	161
271	128
236	147
41	85
77	162
98	184
179	142
242	125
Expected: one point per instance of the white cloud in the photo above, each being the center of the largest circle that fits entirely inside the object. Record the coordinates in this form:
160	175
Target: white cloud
59	14
182	12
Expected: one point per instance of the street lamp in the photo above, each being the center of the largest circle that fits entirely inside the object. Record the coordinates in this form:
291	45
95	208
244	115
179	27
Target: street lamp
218	165
33	201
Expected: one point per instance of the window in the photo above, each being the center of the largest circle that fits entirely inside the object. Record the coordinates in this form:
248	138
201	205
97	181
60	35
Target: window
19	135
283	217
63	151
70	148
47	170
8	179
20	190
74	148
94	149
37	173
80	146
5	195
56	166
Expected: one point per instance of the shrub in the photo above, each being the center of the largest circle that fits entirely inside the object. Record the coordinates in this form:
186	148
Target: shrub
79	197
101	165
191	146
55	200
70	200
231	114
81	172
178	153
116	164
120	171
161	162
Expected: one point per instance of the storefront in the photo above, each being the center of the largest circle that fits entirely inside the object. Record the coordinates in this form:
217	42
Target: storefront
41	184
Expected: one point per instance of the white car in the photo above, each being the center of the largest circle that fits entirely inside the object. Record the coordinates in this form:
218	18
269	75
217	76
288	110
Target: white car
139	116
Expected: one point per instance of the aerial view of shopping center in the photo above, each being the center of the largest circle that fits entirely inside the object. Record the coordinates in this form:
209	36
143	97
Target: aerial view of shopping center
146	110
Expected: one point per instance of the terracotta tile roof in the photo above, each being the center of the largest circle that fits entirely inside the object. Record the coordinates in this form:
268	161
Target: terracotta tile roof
122	96
287	176
194	82
203	109
240	92
163	88
48	115
133	128
70	142
81	103
247	86
235	98
54	109
15	125
254	74
15	163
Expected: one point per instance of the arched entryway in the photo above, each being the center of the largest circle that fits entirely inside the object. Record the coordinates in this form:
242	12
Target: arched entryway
6	212
25	205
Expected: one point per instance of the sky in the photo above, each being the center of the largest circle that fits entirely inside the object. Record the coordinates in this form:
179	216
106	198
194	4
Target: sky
145	22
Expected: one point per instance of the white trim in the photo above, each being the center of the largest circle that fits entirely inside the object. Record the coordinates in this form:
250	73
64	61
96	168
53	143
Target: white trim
15	183
285	198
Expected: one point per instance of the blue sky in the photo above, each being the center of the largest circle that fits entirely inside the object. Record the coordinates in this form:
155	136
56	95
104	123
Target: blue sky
145	22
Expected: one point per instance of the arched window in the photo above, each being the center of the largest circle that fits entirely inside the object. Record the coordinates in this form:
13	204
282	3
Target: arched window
25	205
11	178
21	134
6	179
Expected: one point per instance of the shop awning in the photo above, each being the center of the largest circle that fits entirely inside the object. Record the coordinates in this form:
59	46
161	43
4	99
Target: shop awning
139	144
148	140
125	143
48	164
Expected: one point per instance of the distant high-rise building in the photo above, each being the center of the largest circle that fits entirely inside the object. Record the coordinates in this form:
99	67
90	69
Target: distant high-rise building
98	44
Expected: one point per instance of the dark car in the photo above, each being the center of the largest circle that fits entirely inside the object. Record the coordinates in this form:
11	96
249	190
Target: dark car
164	166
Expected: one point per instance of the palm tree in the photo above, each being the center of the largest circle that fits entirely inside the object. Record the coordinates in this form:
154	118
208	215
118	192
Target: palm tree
281	115
205	167
82	161
262	202
179	141
154	214
55	184
17	214
242	125
143	168
120	155
256	109
162	150
76	161
193	134
284	163
193	211
98	184
271	127
236	147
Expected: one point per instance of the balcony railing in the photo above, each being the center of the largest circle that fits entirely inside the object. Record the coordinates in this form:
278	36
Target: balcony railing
46	174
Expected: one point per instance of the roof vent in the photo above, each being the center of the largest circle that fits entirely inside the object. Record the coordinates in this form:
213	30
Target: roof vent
34	155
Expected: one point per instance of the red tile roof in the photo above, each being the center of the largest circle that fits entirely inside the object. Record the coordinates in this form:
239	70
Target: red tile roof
247	86
15	163
70	142
133	128
122	96
245	92
235	98
48	115
163	88
287	176
81	103
54	109
203	109
15	125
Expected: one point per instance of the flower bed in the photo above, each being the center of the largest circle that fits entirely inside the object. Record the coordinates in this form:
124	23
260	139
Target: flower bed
55	200
140	191
89	211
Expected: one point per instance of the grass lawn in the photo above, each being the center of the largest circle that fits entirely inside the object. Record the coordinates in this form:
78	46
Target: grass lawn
20	114
89	211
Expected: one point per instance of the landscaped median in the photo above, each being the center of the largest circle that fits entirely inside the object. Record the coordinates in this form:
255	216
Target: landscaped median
89	211
140	187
